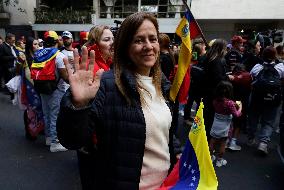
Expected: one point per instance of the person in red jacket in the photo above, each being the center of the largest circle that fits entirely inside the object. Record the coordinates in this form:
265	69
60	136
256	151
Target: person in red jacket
100	39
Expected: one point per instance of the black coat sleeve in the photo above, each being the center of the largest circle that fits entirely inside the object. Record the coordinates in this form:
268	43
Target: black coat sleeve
75	128
72	125
4	54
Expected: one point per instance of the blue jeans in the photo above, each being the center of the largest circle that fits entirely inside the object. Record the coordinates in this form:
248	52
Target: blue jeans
265	115
50	108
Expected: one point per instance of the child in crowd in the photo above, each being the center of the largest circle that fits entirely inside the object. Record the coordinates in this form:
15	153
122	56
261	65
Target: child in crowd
241	81
225	109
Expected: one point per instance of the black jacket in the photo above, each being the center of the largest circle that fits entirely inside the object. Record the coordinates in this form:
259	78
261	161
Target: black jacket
166	63
120	130
215	72
6	56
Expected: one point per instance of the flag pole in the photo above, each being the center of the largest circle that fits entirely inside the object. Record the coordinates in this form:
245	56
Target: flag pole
202	35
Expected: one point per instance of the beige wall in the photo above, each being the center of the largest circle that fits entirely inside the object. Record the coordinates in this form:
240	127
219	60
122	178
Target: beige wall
19	18
238	9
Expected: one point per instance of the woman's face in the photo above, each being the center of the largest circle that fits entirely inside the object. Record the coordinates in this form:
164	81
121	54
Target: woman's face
144	48
35	45
257	48
106	44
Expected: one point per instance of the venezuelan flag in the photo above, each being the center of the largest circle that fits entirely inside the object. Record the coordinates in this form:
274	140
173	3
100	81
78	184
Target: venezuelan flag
183	31
194	170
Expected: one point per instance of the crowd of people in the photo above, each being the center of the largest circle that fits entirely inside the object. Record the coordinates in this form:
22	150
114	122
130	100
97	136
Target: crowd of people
107	97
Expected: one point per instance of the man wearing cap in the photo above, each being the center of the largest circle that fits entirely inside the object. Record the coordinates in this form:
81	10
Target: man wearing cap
51	100
234	56
68	48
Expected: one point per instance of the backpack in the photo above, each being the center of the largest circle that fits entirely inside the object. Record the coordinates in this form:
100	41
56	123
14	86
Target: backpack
43	70
266	88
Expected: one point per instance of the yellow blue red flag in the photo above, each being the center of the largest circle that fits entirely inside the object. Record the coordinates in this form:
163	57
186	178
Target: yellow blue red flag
186	30
184	56
194	170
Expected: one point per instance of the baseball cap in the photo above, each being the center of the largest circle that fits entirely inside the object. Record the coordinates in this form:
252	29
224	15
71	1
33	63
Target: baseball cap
67	34
51	34
239	39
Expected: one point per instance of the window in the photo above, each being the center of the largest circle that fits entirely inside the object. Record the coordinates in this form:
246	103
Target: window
123	8
117	8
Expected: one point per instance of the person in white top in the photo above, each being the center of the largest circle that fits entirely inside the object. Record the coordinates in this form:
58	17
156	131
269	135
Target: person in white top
51	102
262	110
68	52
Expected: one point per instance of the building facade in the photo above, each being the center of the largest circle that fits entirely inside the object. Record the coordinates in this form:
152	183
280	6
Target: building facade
221	18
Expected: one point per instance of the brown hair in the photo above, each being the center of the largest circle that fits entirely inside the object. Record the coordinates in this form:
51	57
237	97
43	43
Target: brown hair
95	34
122	43
217	50
165	41
269	54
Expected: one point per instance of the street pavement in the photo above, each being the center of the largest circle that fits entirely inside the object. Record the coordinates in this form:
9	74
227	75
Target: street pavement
26	165
247	169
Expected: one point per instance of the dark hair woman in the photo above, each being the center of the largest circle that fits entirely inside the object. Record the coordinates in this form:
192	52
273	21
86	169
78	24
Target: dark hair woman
215	69
32	45
33	117
252	54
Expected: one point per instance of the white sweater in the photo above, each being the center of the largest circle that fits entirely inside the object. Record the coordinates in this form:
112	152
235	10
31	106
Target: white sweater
156	160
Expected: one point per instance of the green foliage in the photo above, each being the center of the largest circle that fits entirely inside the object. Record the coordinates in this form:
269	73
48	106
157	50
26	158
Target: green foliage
66	16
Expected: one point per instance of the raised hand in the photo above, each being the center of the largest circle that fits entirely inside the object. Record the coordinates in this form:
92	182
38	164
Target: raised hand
83	83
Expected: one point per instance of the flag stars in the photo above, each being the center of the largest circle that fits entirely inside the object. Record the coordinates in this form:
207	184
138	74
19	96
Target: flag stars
189	166
193	178
191	185
192	171
184	164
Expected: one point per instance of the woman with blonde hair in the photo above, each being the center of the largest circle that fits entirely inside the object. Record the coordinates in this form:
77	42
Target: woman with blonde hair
100	39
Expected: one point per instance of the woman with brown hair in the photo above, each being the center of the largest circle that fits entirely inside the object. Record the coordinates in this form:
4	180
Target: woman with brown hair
215	71
167	60
126	108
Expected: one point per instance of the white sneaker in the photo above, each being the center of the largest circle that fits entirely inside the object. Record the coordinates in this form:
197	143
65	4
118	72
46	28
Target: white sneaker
15	101
56	147
234	146
47	141
221	162
262	147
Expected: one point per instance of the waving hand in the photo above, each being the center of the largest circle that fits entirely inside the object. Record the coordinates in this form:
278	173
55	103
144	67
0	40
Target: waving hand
83	83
